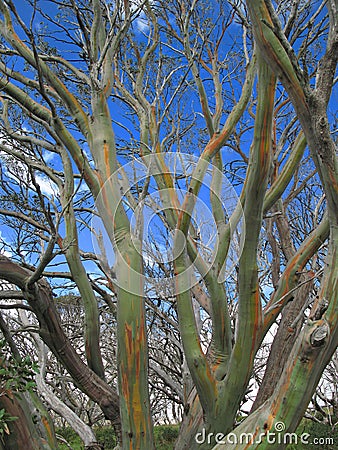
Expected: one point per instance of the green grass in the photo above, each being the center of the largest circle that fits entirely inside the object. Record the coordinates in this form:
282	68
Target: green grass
318	436
165	436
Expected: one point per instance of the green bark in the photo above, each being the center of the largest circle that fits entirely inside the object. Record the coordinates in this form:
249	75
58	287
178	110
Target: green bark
318	339
39	296
79	275
132	346
220	400
132	353
23	432
250	309
29	405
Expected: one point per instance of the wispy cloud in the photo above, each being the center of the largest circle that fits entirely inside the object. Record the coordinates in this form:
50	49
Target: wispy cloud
3	245
142	24
48	156
47	186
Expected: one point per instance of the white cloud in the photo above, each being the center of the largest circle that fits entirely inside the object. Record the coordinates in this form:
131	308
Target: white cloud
18	171
6	253
47	186
48	156
4	244
142	24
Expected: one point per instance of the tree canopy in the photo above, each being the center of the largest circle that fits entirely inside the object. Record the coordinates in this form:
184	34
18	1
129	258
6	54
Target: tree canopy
169	214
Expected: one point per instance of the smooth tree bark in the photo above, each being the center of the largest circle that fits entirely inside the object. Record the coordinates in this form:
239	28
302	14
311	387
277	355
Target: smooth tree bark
23	432
33	421
39	297
56	404
318	340
133	383
288	330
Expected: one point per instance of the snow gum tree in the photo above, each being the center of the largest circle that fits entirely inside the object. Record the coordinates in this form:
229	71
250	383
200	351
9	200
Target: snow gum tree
175	163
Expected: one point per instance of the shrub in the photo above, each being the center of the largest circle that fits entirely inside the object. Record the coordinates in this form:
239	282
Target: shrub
165	436
320	436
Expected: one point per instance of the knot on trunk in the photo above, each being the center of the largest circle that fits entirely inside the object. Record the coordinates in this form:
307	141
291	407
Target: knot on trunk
315	337
319	335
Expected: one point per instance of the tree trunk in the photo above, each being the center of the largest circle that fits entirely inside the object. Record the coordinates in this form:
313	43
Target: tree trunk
23	432
191	424
287	333
30	401
84	431
39	296
133	356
